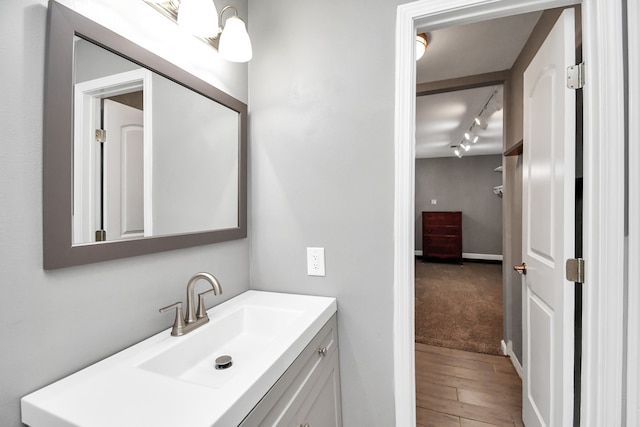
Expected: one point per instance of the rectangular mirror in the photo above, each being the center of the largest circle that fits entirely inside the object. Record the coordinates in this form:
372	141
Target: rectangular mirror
139	155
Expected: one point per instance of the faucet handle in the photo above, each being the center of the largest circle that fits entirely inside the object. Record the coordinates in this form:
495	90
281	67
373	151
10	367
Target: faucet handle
178	324
201	310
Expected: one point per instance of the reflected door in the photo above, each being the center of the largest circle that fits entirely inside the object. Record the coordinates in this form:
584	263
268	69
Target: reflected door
123	172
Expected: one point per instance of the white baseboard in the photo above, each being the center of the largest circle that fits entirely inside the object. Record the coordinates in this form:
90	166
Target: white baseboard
507	349
485	257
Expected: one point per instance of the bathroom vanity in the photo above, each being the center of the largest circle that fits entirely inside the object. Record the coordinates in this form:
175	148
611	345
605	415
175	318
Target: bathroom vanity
284	372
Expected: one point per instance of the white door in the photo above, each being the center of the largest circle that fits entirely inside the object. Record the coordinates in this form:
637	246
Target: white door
123	193
548	230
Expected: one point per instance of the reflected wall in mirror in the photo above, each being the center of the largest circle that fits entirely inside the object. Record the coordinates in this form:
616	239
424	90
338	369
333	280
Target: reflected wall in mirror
139	155
151	157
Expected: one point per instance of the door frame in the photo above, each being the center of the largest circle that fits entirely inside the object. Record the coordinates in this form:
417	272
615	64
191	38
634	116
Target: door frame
87	96
633	320
604	198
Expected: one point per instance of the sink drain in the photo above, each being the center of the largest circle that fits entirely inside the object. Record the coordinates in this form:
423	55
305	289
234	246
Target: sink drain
224	362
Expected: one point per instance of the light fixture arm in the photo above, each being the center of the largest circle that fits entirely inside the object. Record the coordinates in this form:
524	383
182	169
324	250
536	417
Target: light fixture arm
221	22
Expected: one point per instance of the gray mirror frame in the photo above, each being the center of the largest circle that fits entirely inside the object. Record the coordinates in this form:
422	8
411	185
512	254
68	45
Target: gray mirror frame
58	248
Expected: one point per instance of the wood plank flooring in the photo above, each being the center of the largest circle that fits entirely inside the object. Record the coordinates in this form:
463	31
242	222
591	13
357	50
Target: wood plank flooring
464	389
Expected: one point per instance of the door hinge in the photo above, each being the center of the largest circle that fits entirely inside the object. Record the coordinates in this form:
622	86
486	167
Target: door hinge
101	236
575	76
575	270
101	135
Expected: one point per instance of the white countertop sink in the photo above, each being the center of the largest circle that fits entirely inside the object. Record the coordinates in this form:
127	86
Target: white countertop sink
172	381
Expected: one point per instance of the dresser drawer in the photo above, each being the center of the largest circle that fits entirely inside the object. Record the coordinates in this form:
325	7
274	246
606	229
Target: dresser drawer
435	243
441	230
441	218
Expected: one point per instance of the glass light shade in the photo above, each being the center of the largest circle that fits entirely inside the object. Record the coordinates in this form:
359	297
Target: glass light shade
421	45
235	45
458	153
199	17
465	146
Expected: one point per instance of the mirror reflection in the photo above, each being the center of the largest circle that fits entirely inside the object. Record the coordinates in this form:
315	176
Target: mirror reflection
151	157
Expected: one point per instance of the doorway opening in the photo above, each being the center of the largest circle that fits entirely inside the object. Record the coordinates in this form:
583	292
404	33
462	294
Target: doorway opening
513	220
603	195
458	211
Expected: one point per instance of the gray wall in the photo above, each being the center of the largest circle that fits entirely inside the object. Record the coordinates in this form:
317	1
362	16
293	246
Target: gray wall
465	185
195	161
53	323
321	106
92	62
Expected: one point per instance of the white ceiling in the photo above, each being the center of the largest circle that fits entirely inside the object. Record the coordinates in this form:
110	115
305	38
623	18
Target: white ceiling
442	120
466	50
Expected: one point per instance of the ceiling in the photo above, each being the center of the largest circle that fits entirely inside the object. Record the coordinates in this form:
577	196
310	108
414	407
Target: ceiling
466	50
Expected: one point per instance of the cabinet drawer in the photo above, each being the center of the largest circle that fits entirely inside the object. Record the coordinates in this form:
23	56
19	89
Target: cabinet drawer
279	405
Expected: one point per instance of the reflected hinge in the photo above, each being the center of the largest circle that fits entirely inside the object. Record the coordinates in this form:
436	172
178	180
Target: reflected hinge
101	135
575	76
101	236
575	270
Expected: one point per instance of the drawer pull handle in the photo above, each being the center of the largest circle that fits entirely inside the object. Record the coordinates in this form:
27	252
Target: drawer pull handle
322	351
304	425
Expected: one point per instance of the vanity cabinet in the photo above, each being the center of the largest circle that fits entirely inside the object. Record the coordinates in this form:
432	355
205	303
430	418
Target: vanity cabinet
308	393
442	235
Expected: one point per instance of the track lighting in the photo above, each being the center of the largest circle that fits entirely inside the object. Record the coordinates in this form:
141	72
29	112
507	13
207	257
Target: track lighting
493	104
471	135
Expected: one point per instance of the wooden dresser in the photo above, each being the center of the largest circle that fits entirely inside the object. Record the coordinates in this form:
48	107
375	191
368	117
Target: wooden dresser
442	235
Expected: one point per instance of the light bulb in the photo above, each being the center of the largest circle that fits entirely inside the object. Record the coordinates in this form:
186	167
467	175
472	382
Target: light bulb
235	44
464	146
457	152
199	17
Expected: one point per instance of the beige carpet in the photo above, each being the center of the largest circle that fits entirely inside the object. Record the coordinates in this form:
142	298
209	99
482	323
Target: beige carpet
459	306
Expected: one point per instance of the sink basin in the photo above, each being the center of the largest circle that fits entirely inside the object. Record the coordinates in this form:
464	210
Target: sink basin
242	334
169	381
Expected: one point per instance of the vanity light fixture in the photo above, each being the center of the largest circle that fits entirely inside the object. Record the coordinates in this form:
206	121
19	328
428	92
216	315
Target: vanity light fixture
201	18
421	45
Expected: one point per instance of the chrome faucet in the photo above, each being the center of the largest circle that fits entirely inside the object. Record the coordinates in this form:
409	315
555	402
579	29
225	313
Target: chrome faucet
194	319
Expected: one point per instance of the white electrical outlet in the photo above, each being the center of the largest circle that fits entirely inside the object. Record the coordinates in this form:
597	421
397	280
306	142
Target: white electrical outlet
434	201
315	261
